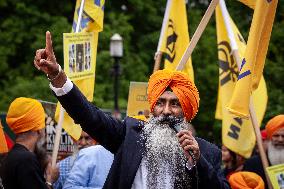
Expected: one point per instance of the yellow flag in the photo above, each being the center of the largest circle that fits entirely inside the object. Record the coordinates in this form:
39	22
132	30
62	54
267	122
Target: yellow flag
176	38
237	134
253	61
249	3
92	21
92	17
3	143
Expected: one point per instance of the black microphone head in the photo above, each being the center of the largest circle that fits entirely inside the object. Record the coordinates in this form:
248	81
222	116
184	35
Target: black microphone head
176	127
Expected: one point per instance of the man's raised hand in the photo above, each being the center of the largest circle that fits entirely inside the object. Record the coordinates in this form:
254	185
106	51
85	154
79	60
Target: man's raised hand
45	59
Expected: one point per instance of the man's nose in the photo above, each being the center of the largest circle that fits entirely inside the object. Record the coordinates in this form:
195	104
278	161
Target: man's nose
167	109
281	138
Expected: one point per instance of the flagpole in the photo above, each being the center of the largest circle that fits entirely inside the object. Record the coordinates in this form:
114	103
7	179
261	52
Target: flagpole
159	53
253	117
61	109
196	36
58	132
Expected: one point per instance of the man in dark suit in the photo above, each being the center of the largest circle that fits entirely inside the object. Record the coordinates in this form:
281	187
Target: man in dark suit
148	154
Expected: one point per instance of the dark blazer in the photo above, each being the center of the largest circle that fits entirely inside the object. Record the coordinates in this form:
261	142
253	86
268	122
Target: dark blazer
124	140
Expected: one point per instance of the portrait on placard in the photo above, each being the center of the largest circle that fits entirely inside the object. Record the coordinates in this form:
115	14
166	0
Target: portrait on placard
79	56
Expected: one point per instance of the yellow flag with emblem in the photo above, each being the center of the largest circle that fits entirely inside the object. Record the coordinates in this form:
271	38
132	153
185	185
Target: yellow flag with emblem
237	134
176	38
92	21
254	58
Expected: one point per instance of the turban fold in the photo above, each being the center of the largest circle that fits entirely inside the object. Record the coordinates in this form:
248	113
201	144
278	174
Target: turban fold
25	114
246	180
182	87
3	143
274	125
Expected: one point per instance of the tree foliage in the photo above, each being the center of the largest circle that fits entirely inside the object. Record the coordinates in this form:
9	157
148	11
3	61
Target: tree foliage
22	31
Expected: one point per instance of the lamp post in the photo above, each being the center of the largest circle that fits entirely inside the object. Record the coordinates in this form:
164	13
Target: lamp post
116	51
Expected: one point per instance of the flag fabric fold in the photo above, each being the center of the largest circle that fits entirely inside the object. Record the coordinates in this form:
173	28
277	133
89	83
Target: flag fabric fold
237	134
175	38
249	3
254	58
92	17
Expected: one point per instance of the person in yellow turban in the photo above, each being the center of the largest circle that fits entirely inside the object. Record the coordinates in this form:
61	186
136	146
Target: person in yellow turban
246	180
275	147
22	168
25	114
159	152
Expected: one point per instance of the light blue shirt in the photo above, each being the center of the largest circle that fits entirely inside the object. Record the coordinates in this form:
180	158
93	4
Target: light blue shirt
90	168
65	166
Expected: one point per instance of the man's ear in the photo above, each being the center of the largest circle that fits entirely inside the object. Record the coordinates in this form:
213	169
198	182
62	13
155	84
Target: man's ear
38	133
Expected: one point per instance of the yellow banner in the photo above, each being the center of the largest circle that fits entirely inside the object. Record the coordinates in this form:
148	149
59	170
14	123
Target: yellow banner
137	99
92	21
276	175
254	58
176	38
237	134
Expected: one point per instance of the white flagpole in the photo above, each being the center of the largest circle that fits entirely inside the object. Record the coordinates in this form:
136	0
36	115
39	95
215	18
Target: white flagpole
80	16
253	117
158	54
61	114
164	25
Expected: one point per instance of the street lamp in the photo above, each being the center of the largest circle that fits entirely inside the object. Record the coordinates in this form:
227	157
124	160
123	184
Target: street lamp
116	51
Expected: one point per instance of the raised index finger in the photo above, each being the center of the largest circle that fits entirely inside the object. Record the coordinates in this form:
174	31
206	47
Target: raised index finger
48	43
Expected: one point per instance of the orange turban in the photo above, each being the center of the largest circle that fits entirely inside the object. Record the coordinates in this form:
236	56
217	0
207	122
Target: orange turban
181	86
246	180
25	114
274	125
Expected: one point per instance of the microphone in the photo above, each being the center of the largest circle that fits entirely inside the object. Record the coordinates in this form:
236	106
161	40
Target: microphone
177	129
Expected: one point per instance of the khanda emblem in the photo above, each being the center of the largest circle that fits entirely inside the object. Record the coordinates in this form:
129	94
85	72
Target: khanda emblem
171	42
227	64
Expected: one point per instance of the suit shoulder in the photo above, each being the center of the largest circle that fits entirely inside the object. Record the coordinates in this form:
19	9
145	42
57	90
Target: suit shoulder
204	145
134	122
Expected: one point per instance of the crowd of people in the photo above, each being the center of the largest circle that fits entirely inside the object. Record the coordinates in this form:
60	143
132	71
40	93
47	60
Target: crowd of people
160	152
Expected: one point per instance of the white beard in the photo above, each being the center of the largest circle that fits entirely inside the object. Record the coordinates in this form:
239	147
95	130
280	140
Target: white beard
275	155
164	156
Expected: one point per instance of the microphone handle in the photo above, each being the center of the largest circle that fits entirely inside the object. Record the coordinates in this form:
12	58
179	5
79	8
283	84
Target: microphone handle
177	129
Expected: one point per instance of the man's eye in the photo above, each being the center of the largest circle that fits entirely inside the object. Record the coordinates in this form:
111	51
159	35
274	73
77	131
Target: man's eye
159	103
175	104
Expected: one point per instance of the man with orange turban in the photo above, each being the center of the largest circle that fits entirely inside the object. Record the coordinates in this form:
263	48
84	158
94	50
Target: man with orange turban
148	154
21	168
246	180
275	147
